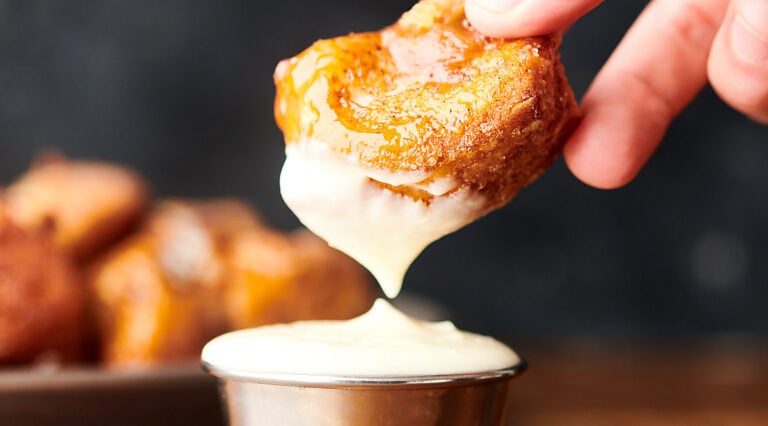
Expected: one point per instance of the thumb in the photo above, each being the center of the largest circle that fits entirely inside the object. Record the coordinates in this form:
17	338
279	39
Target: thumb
738	61
520	18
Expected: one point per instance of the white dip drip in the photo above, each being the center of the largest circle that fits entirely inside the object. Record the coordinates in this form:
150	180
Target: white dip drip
384	231
381	342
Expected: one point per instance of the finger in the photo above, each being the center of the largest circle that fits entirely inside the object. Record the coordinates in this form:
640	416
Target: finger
656	70
738	62
519	18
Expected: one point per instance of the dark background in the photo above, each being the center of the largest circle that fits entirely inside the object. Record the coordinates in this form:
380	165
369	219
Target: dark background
182	91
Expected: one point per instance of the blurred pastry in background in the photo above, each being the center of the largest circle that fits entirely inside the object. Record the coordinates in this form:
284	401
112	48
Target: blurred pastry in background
198	269
83	204
158	295
42	299
278	277
88	272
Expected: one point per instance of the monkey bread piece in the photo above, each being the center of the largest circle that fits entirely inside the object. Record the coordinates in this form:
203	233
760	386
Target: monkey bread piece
278	278
433	100
42	304
405	135
85	204
159	294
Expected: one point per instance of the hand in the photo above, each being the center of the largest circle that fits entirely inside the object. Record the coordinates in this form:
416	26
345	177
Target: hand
664	60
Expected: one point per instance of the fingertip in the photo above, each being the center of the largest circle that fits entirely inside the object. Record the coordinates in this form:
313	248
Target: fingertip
738	61
593	165
492	23
521	18
623	125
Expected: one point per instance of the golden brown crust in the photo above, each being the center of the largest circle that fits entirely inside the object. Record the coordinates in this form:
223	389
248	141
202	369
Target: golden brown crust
42	306
432	94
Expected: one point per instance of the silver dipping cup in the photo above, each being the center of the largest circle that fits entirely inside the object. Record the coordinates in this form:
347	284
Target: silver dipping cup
477	399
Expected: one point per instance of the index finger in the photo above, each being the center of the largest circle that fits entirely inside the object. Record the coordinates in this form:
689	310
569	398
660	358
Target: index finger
656	70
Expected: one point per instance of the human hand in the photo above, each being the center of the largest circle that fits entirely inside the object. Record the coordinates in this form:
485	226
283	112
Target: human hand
664	60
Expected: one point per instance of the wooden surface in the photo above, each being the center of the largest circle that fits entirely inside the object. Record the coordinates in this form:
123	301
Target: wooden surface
671	385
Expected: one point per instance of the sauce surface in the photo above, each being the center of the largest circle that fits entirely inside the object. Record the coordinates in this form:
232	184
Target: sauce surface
380	343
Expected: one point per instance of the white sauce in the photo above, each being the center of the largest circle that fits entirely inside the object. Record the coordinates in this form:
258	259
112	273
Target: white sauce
381	342
384	231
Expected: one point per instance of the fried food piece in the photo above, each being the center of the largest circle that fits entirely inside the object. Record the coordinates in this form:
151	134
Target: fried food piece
42	299
159	295
434	101
278	278
86	204
399	137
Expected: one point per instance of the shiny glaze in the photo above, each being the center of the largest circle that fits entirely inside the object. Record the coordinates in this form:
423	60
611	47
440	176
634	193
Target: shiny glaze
397	99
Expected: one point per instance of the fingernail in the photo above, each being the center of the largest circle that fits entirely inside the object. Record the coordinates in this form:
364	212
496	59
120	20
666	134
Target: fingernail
749	32
497	6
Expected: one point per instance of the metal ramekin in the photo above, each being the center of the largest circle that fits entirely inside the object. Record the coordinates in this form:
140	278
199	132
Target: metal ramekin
477	399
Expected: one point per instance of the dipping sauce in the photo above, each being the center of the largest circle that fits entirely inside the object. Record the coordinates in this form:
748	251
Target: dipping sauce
348	206
383	342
